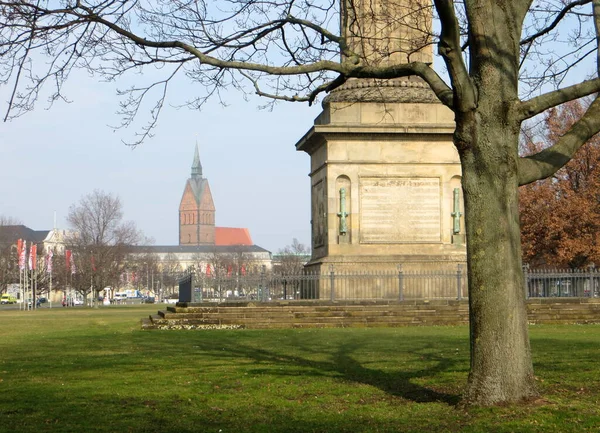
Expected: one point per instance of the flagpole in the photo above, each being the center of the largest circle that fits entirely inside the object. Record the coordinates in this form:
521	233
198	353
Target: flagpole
21	287
50	292
26	288
26	280
33	289
36	294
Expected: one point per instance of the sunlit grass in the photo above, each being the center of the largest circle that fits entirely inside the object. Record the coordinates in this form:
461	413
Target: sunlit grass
74	370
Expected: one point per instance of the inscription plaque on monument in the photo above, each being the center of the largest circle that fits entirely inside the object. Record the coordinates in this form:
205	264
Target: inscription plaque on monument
400	209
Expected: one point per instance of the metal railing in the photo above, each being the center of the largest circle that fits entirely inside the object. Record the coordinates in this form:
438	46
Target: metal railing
385	285
331	286
546	283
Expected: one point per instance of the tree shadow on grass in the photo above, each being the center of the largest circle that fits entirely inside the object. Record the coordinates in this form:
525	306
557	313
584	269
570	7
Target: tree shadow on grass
397	383
342	363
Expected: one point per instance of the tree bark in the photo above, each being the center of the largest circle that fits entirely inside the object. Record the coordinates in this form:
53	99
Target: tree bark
487	138
501	364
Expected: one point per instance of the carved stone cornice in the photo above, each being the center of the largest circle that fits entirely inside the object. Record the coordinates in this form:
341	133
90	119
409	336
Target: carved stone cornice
399	90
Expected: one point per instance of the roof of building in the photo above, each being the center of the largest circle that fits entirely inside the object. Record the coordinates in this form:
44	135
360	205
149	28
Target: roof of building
198	185
232	236
198	249
196	181
12	233
196	165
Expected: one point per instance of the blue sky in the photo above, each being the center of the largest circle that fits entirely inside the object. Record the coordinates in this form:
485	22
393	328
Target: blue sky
51	158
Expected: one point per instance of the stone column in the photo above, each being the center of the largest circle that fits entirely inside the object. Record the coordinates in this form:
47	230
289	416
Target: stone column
388	144
384	32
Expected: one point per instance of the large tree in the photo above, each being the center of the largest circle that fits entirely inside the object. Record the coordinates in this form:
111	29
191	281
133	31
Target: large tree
291	51
100	242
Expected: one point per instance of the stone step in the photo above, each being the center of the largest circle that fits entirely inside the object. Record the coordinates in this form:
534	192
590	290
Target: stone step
354	314
251	312
310	316
290	321
147	323
342	306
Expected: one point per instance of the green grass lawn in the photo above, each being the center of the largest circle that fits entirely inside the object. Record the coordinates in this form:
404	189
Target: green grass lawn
80	370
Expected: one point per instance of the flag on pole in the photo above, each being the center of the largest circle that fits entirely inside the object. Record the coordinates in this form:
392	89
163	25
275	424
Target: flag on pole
19	248
93	264
67	258
49	261
73	270
33	257
208	270
229	271
22	256
30	259
243	270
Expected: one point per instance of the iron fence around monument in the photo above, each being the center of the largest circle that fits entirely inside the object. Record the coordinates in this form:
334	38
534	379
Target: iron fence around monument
385	285
562	283
331	286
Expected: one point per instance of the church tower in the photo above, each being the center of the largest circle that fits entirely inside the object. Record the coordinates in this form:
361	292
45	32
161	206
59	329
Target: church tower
196	210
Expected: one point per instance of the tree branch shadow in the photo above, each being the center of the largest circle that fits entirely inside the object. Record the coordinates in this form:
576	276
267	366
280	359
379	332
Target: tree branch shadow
343	364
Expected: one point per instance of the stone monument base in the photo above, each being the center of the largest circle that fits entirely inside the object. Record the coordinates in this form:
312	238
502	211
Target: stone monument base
372	264
399	277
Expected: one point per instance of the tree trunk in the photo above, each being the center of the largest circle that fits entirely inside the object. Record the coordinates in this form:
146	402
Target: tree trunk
501	365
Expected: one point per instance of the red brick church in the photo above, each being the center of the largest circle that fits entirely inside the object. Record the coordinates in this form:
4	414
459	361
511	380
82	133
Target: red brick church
200	242
197	214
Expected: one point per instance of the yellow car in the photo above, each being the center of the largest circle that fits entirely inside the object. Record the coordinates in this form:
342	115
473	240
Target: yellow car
8	299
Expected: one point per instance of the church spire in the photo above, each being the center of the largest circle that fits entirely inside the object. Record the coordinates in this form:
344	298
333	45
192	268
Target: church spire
196	166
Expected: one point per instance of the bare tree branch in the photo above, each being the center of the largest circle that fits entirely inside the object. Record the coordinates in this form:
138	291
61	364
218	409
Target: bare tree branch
550	160
541	103
450	49
561	14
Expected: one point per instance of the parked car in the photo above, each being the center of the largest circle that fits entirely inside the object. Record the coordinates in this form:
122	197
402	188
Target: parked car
8	299
120	297
149	300
77	302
